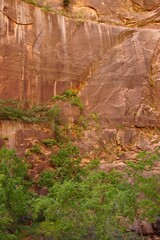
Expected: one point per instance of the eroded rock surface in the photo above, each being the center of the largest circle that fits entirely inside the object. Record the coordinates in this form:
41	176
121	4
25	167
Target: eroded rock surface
147	4
114	64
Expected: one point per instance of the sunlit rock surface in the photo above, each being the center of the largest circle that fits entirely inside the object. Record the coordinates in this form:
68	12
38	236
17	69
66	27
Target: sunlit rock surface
109	51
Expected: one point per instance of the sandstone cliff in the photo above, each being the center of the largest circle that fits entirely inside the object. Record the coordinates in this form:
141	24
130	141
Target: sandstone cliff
108	50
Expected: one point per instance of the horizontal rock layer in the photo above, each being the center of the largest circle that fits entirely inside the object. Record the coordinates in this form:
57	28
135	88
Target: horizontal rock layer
115	65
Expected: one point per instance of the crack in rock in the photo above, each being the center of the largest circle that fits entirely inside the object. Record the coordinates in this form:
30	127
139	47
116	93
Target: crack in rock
18	23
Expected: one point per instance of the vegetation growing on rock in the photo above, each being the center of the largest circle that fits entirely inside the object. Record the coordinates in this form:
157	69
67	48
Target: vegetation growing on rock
70	96
16	110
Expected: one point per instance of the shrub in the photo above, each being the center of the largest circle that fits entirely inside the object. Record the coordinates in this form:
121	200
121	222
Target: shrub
53	114
47	178
50	142
46	8
70	96
11	110
66	164
35	149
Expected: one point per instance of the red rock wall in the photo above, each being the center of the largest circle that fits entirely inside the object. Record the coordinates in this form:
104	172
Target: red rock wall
113	60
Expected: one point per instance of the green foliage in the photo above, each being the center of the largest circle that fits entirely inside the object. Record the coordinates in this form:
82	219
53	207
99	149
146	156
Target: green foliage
145	161
83	122
53	114
71	96
94	116
82	201
42	5
50	142
35	148
82	210
146	185
46	8
12	166
47	178
14	197
34	2
13	110
9	113
97	205
66	164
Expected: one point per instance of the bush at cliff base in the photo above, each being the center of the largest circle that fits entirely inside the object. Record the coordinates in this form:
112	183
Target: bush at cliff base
82	202
98	205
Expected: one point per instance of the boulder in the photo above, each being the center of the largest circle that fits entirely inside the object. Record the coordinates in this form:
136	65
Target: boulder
127	136
109	135
69	113
142	227
144	144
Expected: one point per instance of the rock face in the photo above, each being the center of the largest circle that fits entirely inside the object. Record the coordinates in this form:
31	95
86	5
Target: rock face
147	4
113	59
21	136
